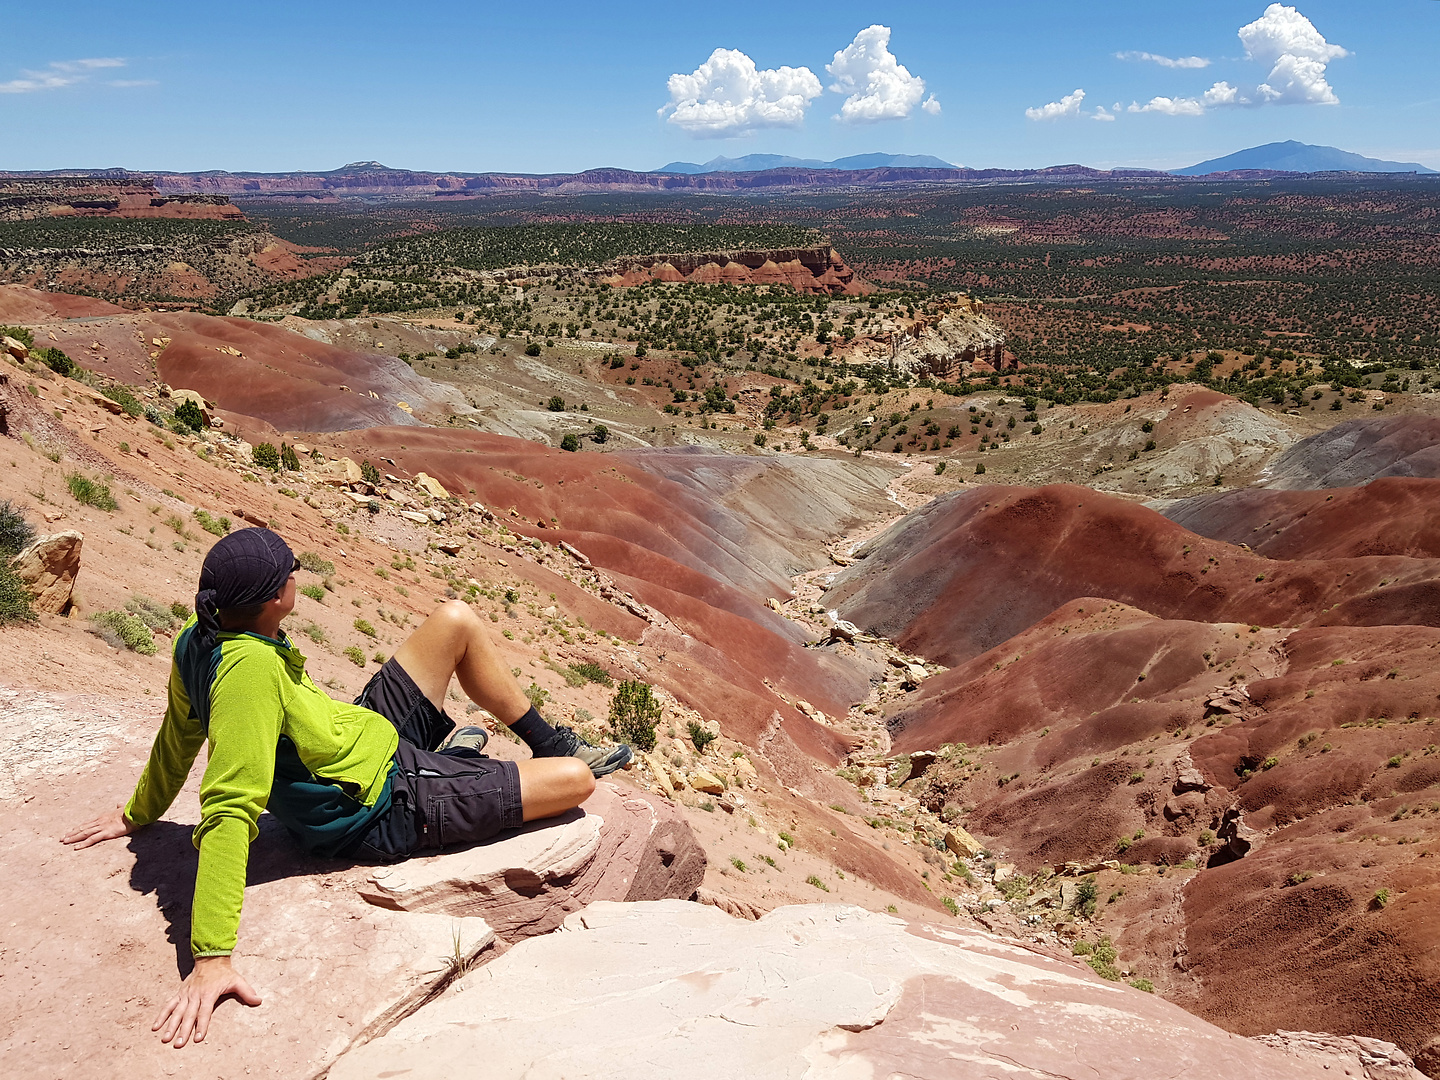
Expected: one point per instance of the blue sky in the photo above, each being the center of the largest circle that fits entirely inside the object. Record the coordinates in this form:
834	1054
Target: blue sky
563	86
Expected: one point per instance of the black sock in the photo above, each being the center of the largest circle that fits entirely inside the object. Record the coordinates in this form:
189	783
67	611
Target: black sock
533	729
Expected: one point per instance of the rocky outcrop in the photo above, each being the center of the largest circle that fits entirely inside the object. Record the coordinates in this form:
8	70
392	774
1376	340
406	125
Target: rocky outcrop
675	989
946	343
807	270
48	568
1350	1055
620	845
124	196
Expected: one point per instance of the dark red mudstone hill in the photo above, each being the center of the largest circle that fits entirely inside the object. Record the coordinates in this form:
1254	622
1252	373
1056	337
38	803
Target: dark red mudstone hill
972	569
1062	752
1390	516
20	304
286	379
1357	451
673	548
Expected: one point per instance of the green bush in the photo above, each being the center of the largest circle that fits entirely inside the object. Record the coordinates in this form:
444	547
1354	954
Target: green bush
15	604
122	629
16	534
289	458
593	672
570	443
369	473
314	592
155	615
180	611
699	736
533	349
364	627
189	414
90	492
1086	896
1102	960
219	526
19	333
813	880
315	564
601	433
355	655
634	712
556	404
950	905
55	360
125	399
266	456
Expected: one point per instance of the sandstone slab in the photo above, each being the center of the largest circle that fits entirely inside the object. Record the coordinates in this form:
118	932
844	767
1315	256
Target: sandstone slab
620	845
48	567
668	989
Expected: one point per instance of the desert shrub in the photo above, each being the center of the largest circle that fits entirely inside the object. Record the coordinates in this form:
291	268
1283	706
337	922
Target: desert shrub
556	403
153	614
289	458
315	564
265	456
369	473
90	492
189	414
55	360
16	534
634	712
538	695
314	592
1102	960
601	433
219	526
354	654
980	469
122	396
123	630
364	627
813	880
570	443
593	672
1143	984
1086	897
950	905
179	610
533	349
699	736
19	333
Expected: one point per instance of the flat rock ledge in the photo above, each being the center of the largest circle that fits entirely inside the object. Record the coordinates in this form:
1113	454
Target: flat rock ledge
621	845
669	988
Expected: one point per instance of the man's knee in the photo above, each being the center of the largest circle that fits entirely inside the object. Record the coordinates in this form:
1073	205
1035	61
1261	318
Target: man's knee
580	779
455	616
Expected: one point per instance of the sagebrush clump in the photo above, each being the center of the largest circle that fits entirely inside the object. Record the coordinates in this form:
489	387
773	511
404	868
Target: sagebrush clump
634	712
123	630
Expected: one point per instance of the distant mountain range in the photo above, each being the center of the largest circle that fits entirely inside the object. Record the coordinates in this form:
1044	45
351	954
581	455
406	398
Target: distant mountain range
1298	157
762	162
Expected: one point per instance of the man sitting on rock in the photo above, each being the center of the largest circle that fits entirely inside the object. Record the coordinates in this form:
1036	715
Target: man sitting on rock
376	781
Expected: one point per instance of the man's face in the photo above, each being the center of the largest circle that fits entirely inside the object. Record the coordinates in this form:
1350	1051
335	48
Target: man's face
287	596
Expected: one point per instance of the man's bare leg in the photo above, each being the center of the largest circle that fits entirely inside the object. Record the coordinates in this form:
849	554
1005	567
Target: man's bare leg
453	641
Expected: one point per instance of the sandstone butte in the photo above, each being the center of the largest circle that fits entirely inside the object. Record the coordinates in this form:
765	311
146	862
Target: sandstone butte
1209	700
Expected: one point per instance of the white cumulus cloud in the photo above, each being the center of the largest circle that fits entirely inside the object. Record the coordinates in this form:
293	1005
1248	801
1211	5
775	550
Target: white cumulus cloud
878	86
1298	54
727	96
1069	105
57	74
1166	61
1222	93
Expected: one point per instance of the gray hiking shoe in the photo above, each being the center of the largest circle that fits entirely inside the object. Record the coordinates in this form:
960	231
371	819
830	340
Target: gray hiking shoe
602	760
469	738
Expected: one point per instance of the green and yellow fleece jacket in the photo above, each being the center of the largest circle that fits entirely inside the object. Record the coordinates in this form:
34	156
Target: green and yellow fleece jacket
277	743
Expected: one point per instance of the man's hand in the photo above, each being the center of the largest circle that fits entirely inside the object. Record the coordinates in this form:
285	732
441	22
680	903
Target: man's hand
189	1010
108	826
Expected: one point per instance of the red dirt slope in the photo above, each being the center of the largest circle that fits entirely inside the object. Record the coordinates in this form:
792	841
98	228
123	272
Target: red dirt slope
970	570
1389	516
1088	737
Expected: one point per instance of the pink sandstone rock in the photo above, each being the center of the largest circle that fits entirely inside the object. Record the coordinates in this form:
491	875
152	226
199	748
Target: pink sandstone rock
667	989
621	844
48	567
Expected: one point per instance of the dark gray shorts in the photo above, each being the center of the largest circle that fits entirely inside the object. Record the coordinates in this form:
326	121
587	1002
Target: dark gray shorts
436	798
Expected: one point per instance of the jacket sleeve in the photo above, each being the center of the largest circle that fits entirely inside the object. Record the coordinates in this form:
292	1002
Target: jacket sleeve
171	756
246	713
